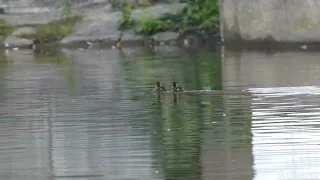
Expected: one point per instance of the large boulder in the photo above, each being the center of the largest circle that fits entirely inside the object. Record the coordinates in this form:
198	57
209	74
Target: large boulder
31	12
24	31
14	40
103	25
278	20
99	24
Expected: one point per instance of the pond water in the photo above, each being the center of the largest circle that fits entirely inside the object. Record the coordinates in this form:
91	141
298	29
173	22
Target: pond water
91	115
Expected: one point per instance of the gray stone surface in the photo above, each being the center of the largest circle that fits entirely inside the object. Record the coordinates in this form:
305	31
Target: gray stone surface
281	20
166	36
36	6
100	23
24	31
103	26
34	12
14	41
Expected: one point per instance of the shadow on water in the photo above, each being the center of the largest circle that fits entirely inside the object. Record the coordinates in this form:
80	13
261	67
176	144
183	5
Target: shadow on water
91	115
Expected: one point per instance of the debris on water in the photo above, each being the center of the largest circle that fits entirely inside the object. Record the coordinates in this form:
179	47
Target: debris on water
168	129
154	132
224	114
15	49
213	122
304	47
157	172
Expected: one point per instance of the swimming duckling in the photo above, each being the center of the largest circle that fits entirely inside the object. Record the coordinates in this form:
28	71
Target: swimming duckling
176	87
35	45
118	43
159	88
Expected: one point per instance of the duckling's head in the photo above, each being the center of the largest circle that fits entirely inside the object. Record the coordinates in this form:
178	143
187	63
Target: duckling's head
35	43
158	84
174	84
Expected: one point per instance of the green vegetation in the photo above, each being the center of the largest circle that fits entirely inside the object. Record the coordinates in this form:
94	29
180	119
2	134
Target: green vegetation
50	32
118	4
199	14
5	29
126	12
57	29
66	8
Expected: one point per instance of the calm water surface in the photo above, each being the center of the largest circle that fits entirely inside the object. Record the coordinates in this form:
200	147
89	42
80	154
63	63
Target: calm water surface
90	115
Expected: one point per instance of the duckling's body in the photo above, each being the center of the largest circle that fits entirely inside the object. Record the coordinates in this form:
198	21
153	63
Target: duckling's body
176	87
118	43
159	88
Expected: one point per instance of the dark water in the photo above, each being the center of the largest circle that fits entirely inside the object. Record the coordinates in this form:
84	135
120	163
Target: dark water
90	115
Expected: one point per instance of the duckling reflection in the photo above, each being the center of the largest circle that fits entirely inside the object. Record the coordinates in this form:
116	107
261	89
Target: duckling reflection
159	88
176	87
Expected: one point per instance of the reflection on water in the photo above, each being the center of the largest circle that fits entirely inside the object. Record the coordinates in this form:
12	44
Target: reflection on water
287	121
90	115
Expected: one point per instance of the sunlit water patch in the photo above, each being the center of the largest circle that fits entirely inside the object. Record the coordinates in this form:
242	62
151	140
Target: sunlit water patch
285	128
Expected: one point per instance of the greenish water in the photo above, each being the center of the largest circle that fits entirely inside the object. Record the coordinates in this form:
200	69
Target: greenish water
91	115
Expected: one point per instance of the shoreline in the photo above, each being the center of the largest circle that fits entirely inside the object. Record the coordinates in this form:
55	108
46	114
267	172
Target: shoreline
265	45
149	42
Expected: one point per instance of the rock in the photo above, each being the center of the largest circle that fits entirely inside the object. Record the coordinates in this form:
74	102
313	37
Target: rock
14	41
42	12
30	18
166	36
28	31
103	26
281	21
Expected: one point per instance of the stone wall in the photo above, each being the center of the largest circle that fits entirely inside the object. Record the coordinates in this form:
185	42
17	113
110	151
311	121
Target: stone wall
279	20
36	6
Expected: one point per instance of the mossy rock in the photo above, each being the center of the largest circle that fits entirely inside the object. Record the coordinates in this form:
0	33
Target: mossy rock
56	30
5	29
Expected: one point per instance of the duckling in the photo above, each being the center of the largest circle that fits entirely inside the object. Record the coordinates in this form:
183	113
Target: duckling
176	87
35	43
159	88
118	41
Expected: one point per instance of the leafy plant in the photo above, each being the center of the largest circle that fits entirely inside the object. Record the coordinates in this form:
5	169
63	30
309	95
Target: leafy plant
203	14
147	24
198	14
66	8
5	29
126	12
57	29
